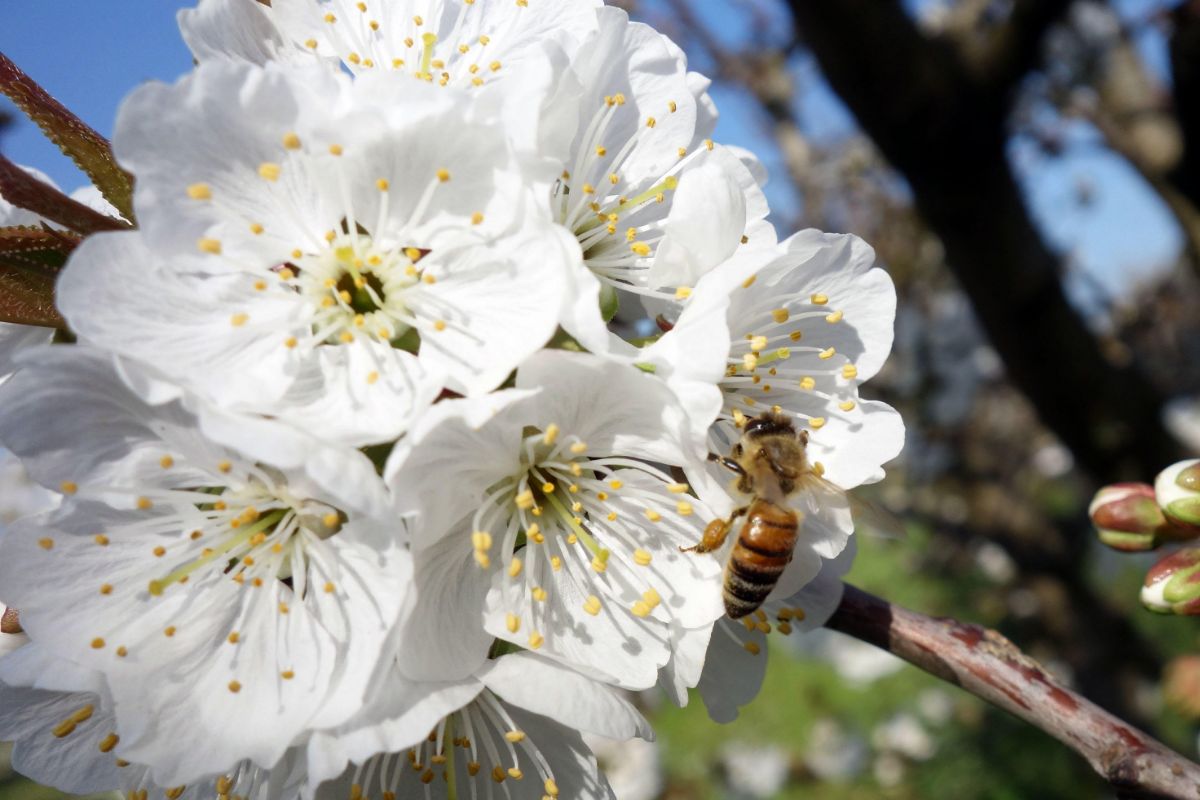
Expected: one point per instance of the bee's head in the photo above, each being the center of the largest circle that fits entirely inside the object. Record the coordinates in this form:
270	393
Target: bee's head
770	452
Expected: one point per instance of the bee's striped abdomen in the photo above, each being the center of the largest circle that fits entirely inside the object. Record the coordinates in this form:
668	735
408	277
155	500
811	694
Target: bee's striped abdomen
761	553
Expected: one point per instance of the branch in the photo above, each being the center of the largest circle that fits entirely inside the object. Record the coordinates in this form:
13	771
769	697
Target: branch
916	99
1185	72
989	666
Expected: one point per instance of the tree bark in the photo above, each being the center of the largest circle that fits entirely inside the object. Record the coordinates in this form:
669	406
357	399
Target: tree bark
941	120
989	666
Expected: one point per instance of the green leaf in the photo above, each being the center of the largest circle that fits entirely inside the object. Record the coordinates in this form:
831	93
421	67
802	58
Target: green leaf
25	191
89	150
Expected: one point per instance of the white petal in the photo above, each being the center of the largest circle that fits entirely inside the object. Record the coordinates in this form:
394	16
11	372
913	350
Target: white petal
537	684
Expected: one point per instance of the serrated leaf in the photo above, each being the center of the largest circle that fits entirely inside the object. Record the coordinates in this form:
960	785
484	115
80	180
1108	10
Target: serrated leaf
25	191
27	294
89	150
38	247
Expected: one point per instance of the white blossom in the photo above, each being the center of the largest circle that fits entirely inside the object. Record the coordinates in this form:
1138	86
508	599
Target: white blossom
235	581
544	516
295	245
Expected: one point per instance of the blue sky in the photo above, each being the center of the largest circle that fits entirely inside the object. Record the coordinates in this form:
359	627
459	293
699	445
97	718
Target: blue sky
90	53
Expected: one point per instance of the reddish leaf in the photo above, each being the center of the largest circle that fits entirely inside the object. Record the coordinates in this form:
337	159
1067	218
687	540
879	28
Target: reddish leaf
25	191
88	149
27	294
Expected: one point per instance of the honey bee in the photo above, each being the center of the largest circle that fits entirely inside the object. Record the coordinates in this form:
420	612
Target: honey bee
771	463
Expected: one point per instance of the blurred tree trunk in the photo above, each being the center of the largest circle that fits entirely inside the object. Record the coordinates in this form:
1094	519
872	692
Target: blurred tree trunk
938	112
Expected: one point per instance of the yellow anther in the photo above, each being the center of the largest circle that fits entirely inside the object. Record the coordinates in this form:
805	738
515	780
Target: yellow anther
592	605
848	405
758	344
290	140
642	557
640	248
144	503
169	631
290	342
515	736
106	589
536	640
160	551
579	447
336	150
481	540
798	614
372	377
550	435
826	354
849	371
494	66
354	58
836	316
68	487
109	742
477	218
329	587
652	597
330	18
97	643
539	594
807	383
443	175
199	191
482	559
514	567
346	337
651	122
615	484
331	519
269	170
122	651
819	299
683	293
683	508
783	354
513	623
750	362
551	787
235	687
239	319
780	315
382	184
600	562
641	609
311	44
524	500
816	423
752	648
555	563
210	246
652	515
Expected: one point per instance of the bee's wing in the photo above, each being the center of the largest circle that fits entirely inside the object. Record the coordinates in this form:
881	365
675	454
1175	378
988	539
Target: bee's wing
868	517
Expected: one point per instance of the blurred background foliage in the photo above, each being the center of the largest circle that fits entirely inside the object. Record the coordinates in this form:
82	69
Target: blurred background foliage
1029	173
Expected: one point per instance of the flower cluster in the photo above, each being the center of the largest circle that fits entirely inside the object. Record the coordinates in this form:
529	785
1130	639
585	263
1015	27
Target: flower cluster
381	445
1135	517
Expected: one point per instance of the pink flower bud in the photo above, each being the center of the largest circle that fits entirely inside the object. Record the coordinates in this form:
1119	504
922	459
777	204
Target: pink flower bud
1178	492
1172	586
1127	517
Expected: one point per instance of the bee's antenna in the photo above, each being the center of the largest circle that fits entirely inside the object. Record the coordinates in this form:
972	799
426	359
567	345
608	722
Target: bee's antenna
727	463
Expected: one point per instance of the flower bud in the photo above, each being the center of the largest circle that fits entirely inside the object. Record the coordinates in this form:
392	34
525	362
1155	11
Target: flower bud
1172	586
1127	517
1178	492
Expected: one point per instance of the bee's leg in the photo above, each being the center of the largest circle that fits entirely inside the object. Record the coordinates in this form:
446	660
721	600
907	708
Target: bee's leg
727	463
715	534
